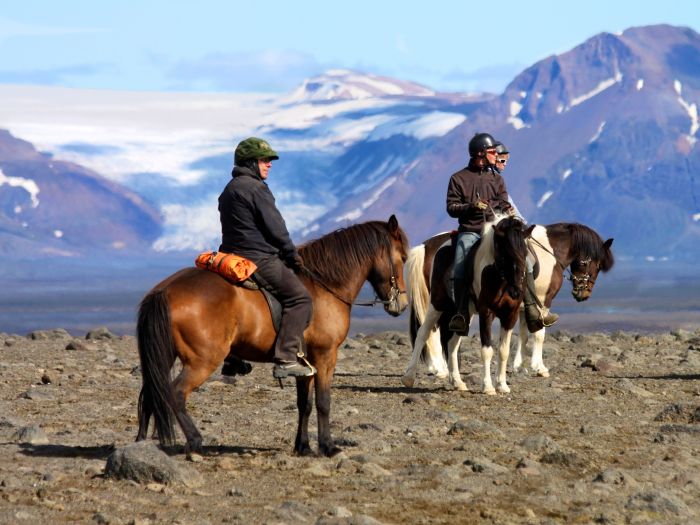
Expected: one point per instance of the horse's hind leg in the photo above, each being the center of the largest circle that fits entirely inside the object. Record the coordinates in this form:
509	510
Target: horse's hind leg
192	375
453	362
304	404
536	362
522	342
431	316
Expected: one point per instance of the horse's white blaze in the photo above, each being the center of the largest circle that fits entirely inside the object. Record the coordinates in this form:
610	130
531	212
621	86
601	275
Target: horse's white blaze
420	300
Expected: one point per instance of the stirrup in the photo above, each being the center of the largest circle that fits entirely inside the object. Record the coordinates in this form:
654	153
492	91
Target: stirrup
458	324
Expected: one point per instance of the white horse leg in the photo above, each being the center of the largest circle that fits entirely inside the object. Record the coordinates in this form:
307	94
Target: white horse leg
522	342
434	358
486	356
536	362
453	362
503	353
431	317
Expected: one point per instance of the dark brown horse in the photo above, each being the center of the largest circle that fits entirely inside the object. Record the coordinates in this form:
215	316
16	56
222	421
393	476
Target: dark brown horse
497	265
559	247
198	317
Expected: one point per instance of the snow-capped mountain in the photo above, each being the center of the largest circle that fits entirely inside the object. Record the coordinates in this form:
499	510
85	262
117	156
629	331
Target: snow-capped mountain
176	150
604	134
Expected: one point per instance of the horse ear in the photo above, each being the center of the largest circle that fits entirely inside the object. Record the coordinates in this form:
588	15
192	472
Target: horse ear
608	243
528	231
393	226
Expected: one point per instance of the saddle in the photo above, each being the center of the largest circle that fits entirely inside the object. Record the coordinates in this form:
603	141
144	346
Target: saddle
255	282
240	271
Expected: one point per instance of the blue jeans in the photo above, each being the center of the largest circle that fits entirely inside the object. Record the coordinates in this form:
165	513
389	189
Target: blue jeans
465	240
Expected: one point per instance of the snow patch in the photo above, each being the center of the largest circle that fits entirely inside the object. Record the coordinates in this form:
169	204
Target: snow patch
58	234
27	185
640	84
434	124
544	198
357	212
692	111
696	217
539	94
560	108
523	94
566	174
602	86
597	133
515	108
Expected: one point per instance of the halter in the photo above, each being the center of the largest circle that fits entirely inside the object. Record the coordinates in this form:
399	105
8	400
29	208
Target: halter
394	291
579	283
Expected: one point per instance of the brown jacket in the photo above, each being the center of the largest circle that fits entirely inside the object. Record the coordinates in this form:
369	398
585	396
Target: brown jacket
469	185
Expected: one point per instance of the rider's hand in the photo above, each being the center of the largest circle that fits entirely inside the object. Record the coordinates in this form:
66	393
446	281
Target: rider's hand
511	212
481	204
296	262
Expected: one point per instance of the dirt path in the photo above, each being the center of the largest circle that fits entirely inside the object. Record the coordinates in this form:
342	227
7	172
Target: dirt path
613	436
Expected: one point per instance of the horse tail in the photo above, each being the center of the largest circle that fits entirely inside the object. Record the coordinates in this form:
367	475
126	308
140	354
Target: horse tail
157	356
418	296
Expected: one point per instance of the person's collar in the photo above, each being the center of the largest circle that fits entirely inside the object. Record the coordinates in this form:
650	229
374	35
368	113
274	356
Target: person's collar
242	171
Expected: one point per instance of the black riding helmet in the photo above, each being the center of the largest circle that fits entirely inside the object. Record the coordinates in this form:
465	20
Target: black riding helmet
501	149
481	142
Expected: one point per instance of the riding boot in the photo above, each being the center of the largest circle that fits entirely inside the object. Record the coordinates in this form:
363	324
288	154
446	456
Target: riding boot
537	316
459	323
234	366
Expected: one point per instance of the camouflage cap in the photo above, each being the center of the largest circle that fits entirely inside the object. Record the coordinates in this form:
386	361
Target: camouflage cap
253	148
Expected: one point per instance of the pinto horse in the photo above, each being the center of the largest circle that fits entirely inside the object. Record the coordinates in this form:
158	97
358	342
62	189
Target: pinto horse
198	317
497	267
557	247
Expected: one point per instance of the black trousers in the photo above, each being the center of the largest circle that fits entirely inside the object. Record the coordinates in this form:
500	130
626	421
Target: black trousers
296	306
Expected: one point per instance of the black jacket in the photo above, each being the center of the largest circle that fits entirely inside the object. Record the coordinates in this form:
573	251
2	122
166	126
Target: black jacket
251	224
469	185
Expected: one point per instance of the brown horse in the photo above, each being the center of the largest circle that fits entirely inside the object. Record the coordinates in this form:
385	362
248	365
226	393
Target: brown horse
497	267
559	247
199	317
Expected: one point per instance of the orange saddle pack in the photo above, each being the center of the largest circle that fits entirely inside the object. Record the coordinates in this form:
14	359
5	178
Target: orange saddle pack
230	266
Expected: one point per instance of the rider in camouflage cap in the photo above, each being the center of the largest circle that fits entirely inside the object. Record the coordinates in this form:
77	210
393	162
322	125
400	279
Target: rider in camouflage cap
253	148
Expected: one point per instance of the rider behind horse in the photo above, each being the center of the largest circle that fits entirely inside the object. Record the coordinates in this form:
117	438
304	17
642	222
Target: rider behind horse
252	227
472	195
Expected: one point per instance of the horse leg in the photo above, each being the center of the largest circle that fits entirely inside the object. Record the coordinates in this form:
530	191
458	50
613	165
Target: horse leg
485	320
503	353
304	405
431	316
453	363
192	375
522	342
536	362
434	357
323	379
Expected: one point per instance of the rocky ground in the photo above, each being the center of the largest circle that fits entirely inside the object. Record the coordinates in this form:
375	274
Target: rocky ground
613	436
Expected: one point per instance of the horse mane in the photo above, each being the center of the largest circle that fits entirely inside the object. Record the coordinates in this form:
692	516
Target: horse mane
335	257
512	246
587	243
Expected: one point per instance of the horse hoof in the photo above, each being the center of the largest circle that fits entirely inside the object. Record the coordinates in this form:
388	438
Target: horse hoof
332	451
490	391
408	381
304	451
504	390
441	375
194	445
460	386
543	373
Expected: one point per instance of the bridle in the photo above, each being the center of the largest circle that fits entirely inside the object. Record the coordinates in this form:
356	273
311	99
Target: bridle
394	291
579	282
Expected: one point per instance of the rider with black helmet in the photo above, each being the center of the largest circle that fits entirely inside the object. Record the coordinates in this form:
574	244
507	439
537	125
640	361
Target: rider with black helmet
253	227
472	195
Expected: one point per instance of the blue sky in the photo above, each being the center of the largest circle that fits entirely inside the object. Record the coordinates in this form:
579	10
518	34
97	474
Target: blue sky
270	46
